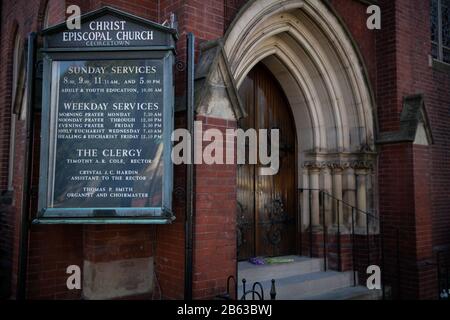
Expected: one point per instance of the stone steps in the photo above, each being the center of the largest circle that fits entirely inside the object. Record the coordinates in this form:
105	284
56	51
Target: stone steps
298	287
303	279
301	265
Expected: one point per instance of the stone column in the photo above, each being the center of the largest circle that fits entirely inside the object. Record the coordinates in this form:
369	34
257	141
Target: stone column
328	188
349	195
361	192
305	205
315	205
337	193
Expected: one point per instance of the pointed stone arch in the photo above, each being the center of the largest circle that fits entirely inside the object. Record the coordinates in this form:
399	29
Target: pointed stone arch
311	53
308	49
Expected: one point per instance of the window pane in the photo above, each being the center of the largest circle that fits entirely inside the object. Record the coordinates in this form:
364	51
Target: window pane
434	50
434	21
446	55
446	23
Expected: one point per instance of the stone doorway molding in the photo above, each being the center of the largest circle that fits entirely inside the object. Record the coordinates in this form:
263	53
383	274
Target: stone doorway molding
309	50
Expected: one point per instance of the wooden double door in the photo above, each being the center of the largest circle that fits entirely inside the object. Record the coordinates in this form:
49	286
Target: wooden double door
267	219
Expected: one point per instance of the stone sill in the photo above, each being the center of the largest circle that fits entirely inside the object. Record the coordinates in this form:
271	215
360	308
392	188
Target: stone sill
440	65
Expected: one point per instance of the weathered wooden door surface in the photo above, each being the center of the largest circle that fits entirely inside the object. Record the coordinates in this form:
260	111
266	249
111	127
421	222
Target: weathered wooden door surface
266	204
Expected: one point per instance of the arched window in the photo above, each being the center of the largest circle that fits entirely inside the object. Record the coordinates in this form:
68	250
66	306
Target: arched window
47	16
440	30
17	97
17	57
19	75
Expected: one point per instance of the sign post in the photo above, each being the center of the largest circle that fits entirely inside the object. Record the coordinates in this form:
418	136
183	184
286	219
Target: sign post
107	119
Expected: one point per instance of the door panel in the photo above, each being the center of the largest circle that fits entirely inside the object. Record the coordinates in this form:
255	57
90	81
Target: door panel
266	204
246	185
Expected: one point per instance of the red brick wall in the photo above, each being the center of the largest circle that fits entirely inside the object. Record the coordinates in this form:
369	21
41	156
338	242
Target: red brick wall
215	222
7	221
205	19
170	244
405	206
144	8
52	249
56	11
413	180
17	17
354	16
231	8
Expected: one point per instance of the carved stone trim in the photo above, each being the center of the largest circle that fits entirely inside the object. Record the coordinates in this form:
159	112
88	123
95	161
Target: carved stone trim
353	164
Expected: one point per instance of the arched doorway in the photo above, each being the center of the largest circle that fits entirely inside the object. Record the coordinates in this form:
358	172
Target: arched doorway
309	53
267	204
312	56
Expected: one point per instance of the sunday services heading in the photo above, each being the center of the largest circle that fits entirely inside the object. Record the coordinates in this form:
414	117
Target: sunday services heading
100	34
